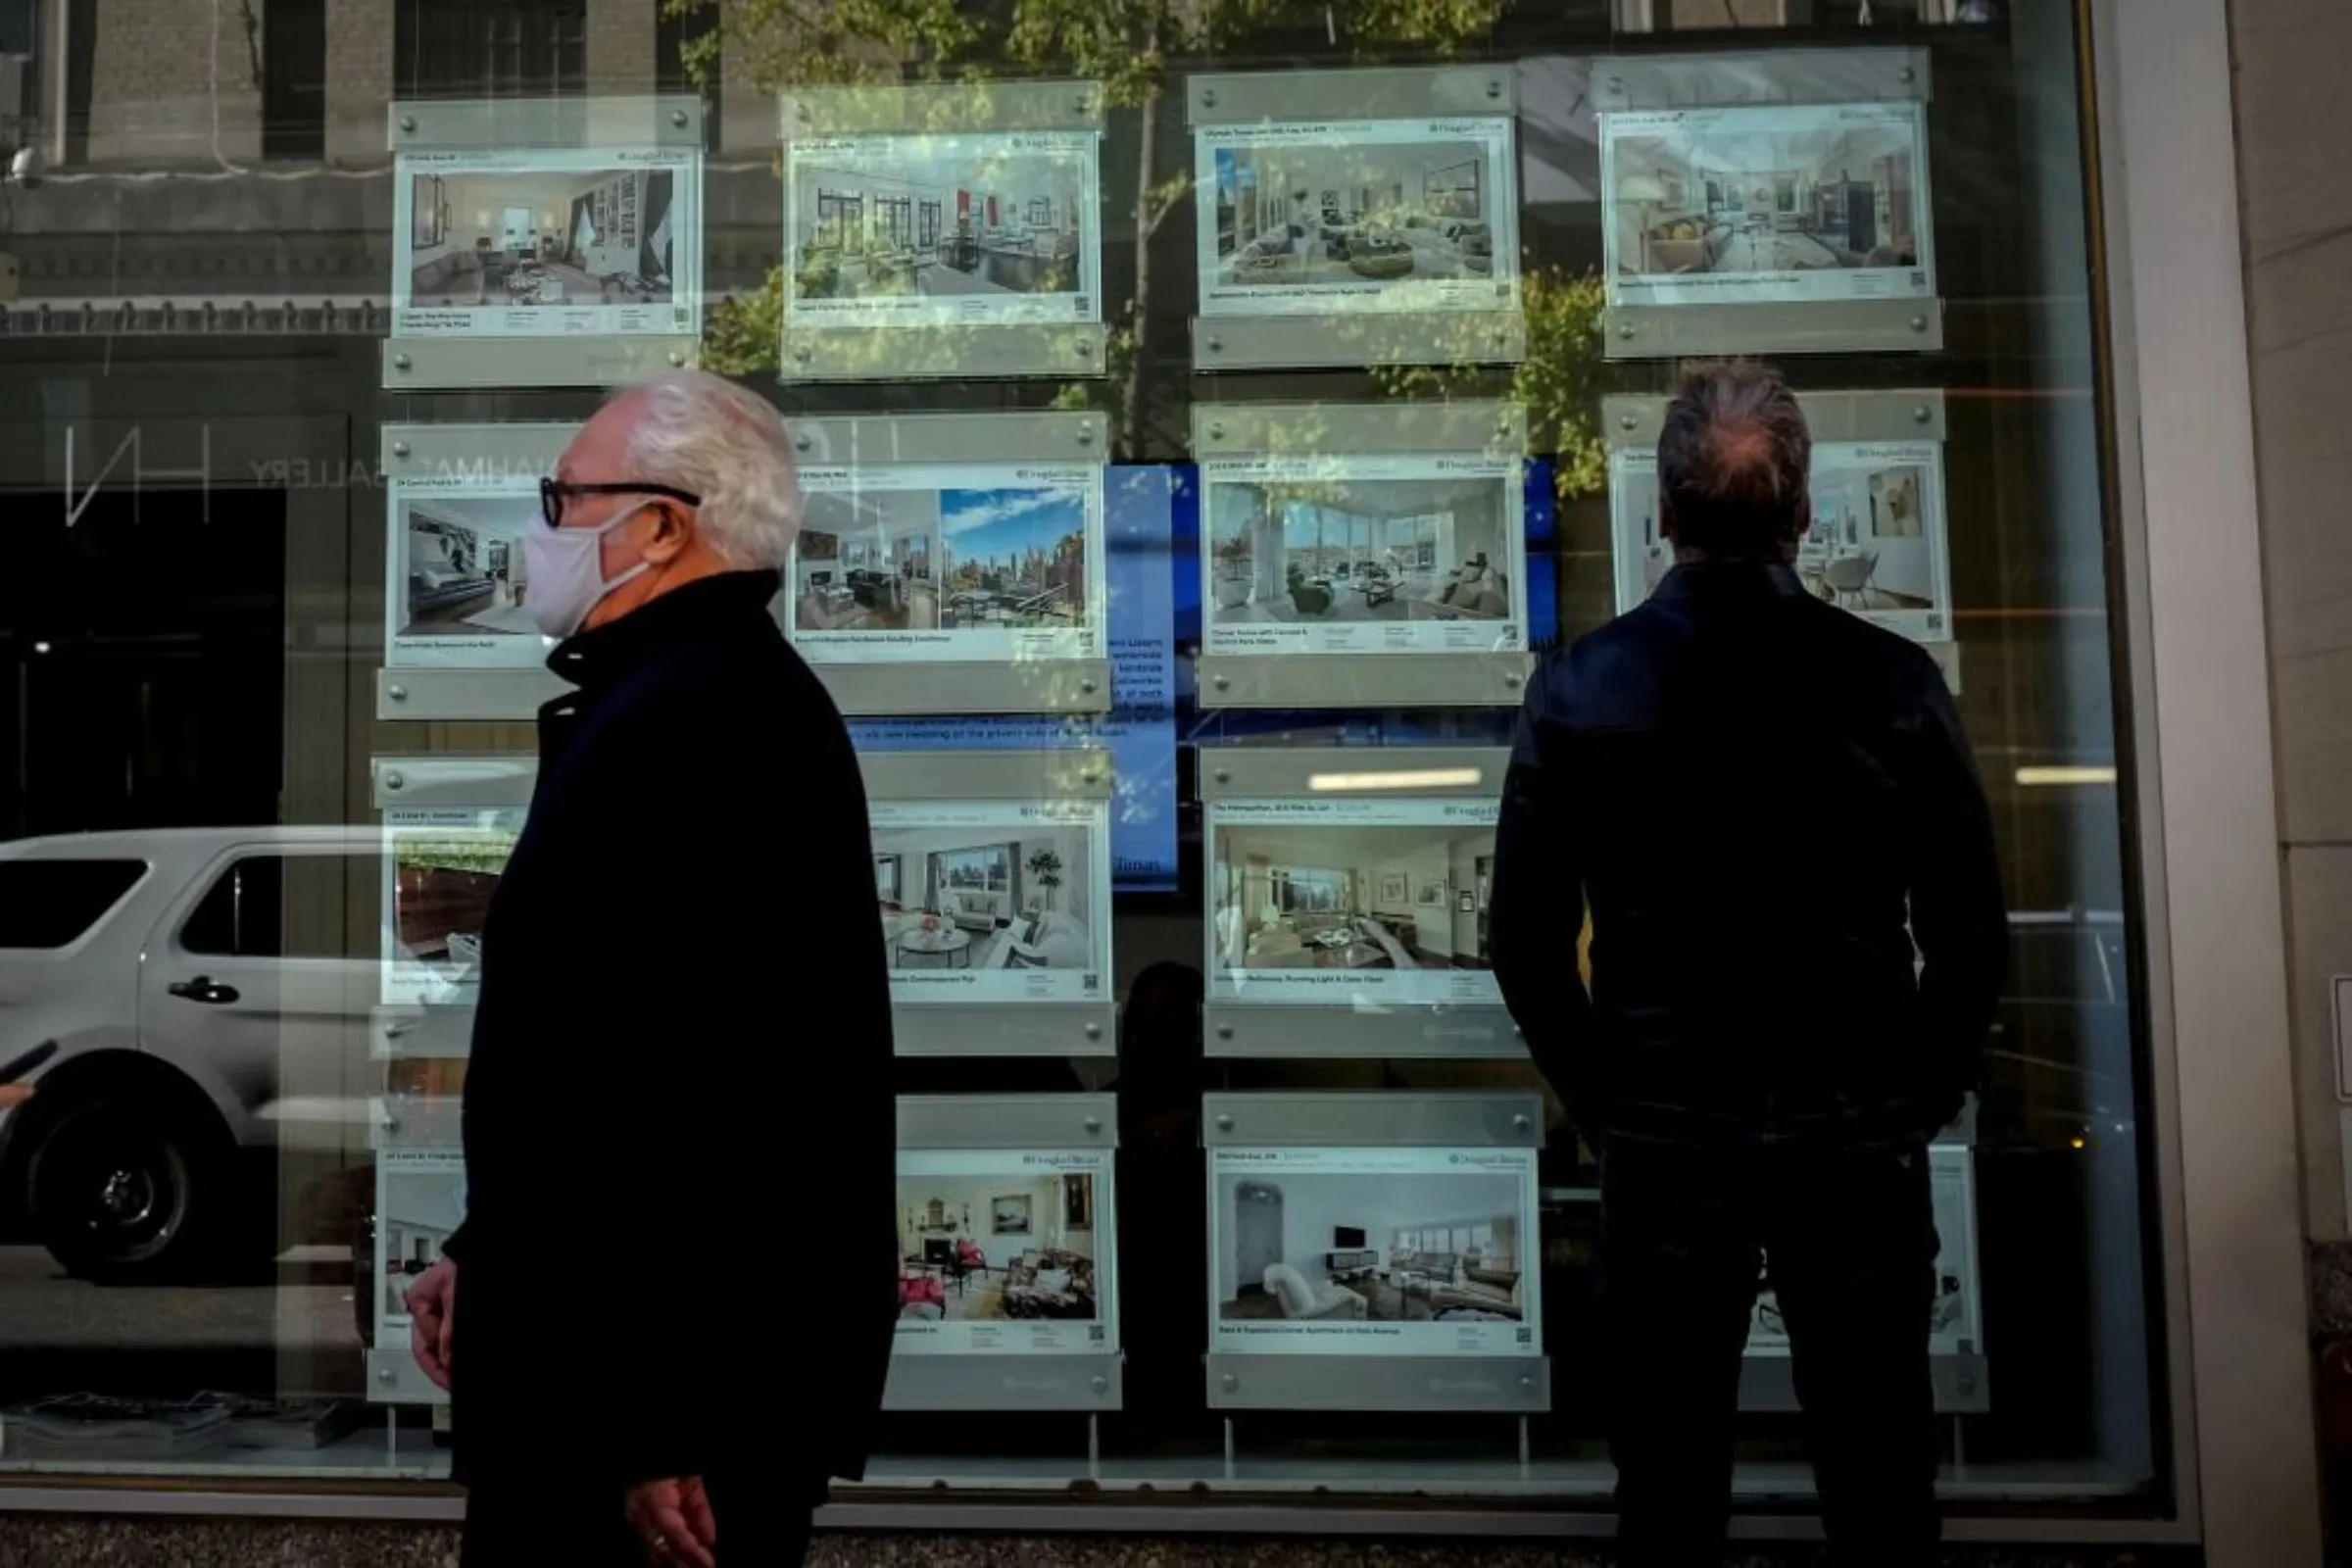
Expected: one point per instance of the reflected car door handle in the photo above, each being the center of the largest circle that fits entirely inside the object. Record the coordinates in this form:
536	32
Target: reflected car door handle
202	989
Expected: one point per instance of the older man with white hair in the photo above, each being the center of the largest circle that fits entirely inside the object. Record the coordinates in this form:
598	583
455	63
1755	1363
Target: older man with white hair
677	953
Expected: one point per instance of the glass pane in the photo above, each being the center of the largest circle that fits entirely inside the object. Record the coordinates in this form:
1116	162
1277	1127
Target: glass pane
248	978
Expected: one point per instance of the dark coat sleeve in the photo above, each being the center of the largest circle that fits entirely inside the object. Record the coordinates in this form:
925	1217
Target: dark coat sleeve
1959	920
1532	923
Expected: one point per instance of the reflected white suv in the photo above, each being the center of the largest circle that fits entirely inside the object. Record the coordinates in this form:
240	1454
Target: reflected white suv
209	993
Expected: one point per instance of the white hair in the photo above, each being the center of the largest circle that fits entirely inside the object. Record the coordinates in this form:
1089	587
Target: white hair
728	445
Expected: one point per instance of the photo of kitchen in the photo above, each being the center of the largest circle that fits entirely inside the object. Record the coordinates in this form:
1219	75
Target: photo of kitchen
1351	1246
1336	550
941	218
1349	898
495	238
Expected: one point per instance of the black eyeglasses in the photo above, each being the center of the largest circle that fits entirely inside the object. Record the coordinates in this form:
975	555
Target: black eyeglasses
552	493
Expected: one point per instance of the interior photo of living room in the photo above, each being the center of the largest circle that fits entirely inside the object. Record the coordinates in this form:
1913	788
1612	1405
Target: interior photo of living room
1787	202
1379	550
420	1211
997	225
978	1248
1346	1247
867	560
1350	898
465	571
1293	214
590	237
976	899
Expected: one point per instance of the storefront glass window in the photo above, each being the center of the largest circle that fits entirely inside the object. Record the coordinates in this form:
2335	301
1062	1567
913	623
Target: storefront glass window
1218	409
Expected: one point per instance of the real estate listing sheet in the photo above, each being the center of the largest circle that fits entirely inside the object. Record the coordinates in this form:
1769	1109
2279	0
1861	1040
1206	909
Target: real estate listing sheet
1766	204
1953	1326
978	230
1374	1252
1878	545
454	578
949	563
1349	216
547	243
994	901
1004	1252
1405	554
441	864
419	1199
1335	903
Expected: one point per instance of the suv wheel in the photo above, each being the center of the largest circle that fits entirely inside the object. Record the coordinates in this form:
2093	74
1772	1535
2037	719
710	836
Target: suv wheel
121	1190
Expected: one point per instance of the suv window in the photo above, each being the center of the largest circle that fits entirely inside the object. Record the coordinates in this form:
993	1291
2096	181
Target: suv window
51	903
287	906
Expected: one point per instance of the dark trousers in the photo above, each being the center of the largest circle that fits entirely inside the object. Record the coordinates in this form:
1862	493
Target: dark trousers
1849	1233
762	1523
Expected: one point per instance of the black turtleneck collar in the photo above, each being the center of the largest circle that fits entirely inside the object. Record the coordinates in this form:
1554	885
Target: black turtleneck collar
1746	578
700	608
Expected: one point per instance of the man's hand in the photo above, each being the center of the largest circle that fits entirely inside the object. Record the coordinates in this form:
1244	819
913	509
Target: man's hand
432	1311
674	1521
11	1095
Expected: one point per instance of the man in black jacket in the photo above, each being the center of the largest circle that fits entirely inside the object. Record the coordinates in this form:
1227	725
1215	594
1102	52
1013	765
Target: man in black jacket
683	1040
1769	810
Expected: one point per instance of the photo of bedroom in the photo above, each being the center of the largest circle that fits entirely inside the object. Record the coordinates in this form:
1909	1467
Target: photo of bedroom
942	218
1744	195
1349	1247
1327	552
985	899
465	571
420	1208
1297	214
983	1249
490	238
954	560
1349	899
442	880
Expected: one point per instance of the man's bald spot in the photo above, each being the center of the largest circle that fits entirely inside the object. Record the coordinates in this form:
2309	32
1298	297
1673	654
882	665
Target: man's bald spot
1733	457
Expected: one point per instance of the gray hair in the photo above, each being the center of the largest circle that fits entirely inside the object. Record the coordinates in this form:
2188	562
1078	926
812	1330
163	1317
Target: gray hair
1733	460
728	445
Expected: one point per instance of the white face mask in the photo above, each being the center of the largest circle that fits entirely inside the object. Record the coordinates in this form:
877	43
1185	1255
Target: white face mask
566	567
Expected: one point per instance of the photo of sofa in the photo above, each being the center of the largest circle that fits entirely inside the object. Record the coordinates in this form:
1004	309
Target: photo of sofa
1299	215
961	900
955	1265
1447	1247
1382	550
463	570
